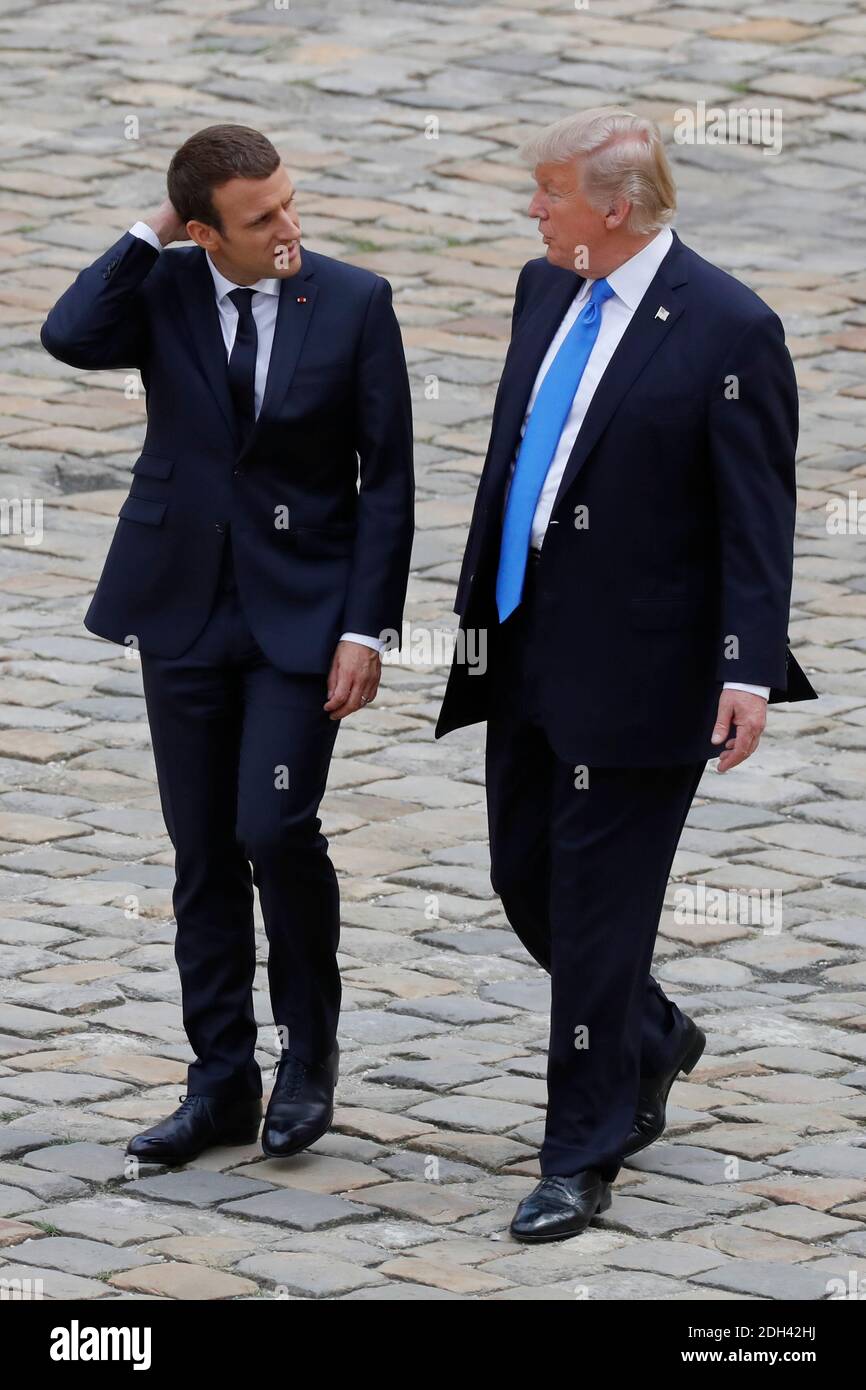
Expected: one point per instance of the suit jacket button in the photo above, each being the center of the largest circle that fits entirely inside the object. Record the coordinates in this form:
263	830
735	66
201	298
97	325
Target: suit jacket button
237	472
220	526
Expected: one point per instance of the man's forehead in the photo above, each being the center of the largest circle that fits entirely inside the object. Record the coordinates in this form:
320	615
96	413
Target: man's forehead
253	192
558	173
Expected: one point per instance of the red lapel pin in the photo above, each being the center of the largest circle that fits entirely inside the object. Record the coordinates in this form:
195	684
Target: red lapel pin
302	299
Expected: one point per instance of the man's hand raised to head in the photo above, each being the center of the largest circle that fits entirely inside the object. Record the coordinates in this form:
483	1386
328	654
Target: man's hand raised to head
166	223
749	713
353	678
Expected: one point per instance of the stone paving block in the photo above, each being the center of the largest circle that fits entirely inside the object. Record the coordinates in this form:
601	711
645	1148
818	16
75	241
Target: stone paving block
443	1006
198	1187
800	1223
827	1160
15	1199
696	1164
313	1172
474	1113
766	1279
486	1150
46	1186
398	1292
427	1271
90	1258
39	1281
643	1218
429	1076
119	1220
308	1275
673	1257
424	1201
307	1211
175	1280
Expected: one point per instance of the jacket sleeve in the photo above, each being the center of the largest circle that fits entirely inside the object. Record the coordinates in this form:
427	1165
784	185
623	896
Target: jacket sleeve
753	426
101	320
385	525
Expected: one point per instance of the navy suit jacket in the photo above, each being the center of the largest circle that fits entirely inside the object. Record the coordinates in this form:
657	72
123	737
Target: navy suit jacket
677	575
319	499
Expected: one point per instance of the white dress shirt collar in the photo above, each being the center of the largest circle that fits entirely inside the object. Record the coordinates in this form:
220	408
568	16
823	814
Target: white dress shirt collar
631	280
224	286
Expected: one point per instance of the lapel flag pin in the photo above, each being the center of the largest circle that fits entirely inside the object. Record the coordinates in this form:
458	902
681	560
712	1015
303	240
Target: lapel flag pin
302	299
662	313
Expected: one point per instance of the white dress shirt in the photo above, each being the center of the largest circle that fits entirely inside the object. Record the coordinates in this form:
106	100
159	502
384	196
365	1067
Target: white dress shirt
266	298
630	282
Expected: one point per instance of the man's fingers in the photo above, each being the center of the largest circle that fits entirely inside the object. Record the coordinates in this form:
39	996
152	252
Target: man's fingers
743	746
723	719
338	691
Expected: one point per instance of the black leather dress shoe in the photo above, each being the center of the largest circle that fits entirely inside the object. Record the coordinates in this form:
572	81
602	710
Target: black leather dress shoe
561	1207
649	1120
301	1107
197	1124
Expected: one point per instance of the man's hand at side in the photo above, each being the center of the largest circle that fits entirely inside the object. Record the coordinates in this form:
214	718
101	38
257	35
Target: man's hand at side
749	714
353	678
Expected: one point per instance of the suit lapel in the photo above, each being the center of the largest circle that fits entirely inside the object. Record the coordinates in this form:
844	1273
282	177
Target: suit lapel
294	311
532	337
202	317
643	336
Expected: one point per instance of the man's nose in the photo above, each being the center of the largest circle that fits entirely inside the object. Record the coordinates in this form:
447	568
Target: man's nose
537	208
290	228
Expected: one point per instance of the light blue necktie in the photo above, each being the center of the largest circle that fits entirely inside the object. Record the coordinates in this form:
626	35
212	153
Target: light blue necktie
538	446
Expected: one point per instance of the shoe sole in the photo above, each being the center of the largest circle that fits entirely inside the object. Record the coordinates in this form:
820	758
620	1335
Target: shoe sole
298	1148
603	1205
688	1064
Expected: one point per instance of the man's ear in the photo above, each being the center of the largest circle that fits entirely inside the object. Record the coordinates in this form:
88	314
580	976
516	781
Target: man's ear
202	234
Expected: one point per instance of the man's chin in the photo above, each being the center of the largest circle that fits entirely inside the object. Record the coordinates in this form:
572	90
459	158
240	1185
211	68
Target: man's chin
286	268
555	257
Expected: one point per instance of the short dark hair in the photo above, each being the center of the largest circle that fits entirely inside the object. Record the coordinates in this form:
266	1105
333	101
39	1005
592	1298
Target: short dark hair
211	158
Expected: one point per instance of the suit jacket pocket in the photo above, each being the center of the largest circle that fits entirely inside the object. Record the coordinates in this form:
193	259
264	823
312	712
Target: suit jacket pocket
141	509
336	540
153	466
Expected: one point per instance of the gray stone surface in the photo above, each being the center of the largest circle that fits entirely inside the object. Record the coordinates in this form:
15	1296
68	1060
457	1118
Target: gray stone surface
758	1190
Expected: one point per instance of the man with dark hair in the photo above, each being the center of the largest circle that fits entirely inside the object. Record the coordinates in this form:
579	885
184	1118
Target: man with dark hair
262	550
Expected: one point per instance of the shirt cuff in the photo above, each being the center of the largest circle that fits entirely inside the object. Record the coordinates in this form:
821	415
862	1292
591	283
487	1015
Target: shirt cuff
141	229
375	642
762	690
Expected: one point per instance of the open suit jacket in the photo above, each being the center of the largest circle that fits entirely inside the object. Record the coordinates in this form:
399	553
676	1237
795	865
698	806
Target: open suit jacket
314	554
666	567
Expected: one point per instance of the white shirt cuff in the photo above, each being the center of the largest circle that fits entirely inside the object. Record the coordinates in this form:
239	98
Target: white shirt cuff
141	229
375	642
762	690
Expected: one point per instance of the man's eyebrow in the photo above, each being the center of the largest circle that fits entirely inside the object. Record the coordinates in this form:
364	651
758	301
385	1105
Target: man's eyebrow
260	217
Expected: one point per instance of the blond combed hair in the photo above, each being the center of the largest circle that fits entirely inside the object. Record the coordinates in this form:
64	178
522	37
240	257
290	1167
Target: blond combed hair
621	156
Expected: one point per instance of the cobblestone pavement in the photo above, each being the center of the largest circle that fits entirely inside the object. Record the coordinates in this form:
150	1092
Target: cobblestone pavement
758	1190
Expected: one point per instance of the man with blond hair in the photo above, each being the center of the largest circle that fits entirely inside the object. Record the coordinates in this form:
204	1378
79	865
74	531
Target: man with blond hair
630	558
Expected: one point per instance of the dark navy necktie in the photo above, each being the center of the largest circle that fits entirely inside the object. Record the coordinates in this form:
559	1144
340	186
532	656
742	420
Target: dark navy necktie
242	362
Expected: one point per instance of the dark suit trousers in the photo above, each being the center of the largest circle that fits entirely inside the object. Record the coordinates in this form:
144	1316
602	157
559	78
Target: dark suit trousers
582	873
242	753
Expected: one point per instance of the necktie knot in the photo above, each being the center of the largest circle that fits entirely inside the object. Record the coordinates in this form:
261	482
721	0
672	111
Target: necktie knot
600	291
242	300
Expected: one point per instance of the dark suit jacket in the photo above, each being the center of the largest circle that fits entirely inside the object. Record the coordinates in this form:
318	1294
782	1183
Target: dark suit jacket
690	499
336	406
